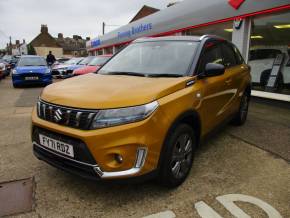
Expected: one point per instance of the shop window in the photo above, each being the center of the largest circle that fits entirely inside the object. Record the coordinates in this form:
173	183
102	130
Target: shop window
223	30
109	50
100	52
269	54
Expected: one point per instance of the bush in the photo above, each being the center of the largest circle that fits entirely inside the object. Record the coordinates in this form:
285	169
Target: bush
31	50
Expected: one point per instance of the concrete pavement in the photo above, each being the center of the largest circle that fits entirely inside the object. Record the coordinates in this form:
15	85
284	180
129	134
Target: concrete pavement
234	161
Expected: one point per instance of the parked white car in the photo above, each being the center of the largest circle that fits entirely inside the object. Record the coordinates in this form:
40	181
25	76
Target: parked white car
261	61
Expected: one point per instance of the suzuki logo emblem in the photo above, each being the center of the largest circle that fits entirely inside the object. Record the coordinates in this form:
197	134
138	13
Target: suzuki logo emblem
58	115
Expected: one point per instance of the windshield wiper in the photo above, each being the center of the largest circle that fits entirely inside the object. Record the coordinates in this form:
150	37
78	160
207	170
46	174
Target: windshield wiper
126	73
164	75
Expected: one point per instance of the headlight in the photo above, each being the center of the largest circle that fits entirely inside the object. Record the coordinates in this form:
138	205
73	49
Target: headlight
47	71
14	72
114	117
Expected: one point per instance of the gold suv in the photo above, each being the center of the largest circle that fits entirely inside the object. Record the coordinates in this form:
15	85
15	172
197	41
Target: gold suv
145	111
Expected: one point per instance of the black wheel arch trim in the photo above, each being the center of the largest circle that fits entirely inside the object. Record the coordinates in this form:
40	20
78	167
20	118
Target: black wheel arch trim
187	117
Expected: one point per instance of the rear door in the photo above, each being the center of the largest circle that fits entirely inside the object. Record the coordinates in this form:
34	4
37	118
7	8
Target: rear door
235	70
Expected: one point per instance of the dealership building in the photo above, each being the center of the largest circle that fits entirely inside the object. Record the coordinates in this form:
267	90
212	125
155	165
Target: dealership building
259	28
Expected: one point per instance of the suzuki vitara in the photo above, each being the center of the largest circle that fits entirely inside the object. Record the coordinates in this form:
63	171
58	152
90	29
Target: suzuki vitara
145	111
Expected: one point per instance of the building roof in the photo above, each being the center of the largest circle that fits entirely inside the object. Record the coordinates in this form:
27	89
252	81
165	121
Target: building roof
71	44
44	39
182	16
143	12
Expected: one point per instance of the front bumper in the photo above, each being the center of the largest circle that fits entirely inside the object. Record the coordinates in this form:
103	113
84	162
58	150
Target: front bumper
61	74
19	79
85	170
138	143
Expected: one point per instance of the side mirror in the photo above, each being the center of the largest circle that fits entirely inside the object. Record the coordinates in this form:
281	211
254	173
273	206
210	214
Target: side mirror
212	69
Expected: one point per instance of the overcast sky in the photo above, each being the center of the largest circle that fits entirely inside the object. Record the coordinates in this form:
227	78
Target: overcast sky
21	19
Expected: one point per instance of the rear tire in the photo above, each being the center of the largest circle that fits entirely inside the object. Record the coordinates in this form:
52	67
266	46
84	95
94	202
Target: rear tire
242	114
178	156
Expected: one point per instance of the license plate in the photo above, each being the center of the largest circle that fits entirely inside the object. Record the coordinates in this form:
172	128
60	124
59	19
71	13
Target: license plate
56	145
31	78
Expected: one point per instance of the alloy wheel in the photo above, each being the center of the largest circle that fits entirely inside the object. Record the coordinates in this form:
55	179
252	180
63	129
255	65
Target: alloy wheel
182	156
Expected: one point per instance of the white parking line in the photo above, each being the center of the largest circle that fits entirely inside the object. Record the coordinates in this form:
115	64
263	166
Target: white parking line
227	201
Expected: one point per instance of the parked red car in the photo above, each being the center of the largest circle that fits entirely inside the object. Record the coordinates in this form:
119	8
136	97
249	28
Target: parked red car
93	66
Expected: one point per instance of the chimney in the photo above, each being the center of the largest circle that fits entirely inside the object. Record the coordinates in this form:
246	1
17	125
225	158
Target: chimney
172	3
60	36
44	28
17	42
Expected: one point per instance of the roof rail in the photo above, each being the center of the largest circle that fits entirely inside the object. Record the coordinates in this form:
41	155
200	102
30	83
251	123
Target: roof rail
210	36
144	37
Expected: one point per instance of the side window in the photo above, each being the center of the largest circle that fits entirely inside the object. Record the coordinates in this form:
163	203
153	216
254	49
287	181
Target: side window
228	56
211	54
239	57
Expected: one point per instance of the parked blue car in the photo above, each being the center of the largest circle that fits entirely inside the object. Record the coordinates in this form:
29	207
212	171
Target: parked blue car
30	70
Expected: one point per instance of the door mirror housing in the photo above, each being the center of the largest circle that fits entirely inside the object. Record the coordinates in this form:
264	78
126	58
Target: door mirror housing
212	69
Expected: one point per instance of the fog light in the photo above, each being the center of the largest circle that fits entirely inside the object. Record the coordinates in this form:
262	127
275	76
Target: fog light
119	158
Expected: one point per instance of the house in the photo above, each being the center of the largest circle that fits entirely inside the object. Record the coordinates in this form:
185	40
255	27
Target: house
17	48
143	12
60	46
44	42
75	46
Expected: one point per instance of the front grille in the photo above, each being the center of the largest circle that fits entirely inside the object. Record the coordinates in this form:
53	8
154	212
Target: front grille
65	164
23	76
75	118
67	72
81	151
55	72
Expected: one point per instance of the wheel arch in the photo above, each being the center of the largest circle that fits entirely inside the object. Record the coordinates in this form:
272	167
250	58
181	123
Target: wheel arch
190	117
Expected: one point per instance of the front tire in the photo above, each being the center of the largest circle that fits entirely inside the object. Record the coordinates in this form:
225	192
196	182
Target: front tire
178	156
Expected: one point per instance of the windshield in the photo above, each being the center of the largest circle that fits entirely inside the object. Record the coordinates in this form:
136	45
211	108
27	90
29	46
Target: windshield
98	61
7	58
153	58
86	60
32	61
73	61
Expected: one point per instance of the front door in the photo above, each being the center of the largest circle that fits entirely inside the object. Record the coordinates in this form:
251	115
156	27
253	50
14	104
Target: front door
215	91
